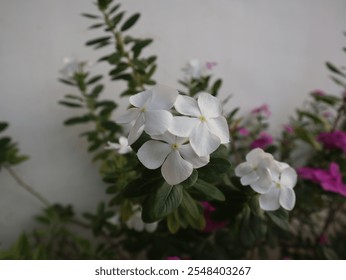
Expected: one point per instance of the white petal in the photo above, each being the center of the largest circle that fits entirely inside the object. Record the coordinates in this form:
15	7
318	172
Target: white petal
288	177
270	201
140	99
183	126
163	98
186	105
243	169
157	121
175	169
124	150
153	153
202	141
264	182
219	127
112	146
151	227
209	105
287	198
137	129
249	178
123	141
189	155
129	116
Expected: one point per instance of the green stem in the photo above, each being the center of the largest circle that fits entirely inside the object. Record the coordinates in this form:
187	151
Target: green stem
27	187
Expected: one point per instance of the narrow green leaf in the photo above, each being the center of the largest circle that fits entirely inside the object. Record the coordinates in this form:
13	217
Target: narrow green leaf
130	22
216	86
334	69
112	10
74	97
137	47
70	104
140	187
3	126
96	25
307	137
208	191
97	41
116	19
94	79
78	120
162	202
279	218
90	16
96	91
67	82
191	180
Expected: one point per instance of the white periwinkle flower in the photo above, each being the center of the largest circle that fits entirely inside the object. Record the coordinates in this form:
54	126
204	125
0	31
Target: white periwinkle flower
281	191
205	126
273	180
194	69
176	158
150	112
122	147
136	223
71	66
255	171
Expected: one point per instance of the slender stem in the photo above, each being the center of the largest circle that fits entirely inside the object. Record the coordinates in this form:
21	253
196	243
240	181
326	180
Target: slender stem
341	110
26	186
120	45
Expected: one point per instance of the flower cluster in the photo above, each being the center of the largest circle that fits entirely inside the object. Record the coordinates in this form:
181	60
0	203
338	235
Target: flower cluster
333	140
181	142
330	180
273	180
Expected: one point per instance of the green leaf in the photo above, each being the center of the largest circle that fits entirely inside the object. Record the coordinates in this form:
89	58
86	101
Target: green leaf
112	10
97	41
279	218
94	79
315	118
96	91
334	69
173	224
90	16
214	170
208	191
137	47
140	187
70	104
96	25
67	82
115	20
191	180
307	137
216	86
130	22
3	126
328	99
121	67
161	203
78	120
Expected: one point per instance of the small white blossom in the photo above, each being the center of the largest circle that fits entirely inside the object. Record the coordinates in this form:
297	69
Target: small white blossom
122	147
71	66
176	158
281	192
150	112
203	123
194	69
136	223
256	170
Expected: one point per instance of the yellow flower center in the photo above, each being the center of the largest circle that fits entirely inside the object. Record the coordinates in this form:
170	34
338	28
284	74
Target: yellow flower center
202	118
175	146
143	109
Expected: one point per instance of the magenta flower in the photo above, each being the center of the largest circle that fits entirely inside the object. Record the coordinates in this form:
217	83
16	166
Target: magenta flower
263	141
330	180
318	92
335	139
173	258
210	65
243	131
288	128
210	224
264	110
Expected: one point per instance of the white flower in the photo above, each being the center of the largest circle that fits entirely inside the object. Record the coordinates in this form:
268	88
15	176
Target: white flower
281	191
122	147
150	112
115	220
256	170
206	128
177	159
71	66
194	69
136	223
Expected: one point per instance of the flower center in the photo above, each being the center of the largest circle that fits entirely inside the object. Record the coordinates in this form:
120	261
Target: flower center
277	185
175	146
202	118
143	109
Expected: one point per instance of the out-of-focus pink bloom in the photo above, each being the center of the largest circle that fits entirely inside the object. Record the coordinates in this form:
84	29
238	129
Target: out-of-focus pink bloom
318	92
334	139
263	141
327	114
264	110
210	65
323	239
173	258
288	128
243	131
330	180
210	224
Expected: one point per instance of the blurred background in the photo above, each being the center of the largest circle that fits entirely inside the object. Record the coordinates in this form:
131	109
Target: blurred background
267	51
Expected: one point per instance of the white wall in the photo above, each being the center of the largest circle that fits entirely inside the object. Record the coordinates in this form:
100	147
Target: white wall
268	51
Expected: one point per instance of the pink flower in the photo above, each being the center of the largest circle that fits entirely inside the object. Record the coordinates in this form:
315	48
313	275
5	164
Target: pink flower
210	65
288	128
210	224
243	131
318	92
173	258
264	109
334	139
330	180
263	141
